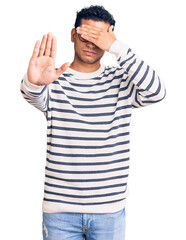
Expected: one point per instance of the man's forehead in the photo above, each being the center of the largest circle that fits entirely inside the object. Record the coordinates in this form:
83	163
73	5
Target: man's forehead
99	24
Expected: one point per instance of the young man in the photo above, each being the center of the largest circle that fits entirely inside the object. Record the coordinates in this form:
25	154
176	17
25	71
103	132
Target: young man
88	108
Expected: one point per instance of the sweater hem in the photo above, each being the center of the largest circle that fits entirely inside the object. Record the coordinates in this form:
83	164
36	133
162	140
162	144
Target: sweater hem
50	207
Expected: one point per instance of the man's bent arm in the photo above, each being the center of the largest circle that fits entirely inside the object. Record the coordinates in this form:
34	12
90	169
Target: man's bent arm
36	95
146	86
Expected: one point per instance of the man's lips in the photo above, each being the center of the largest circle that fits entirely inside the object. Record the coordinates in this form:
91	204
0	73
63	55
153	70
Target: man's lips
89	52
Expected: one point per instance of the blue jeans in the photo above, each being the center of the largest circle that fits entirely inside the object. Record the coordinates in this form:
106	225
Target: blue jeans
79	226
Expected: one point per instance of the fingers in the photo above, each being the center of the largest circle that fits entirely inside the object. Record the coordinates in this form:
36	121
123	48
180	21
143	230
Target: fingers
36	49
42	47
90	27
85	33
93	31
53	48
48	45
87	30
62	69
88	35
101	37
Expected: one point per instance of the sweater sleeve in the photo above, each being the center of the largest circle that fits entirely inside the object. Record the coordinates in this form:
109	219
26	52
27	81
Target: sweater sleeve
145	85
38	96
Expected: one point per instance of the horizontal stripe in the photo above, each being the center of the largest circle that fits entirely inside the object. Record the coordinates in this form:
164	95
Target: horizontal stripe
88	163
88	129
87	155
90	180
88	138
90	123
81	203
86	188
90	114
86	147
103	75
87	172
84	196
36	93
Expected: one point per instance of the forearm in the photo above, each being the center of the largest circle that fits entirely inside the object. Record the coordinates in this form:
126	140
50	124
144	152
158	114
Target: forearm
34	94
147	86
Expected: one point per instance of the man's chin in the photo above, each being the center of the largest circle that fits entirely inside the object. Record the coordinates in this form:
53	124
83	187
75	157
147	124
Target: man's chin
89	61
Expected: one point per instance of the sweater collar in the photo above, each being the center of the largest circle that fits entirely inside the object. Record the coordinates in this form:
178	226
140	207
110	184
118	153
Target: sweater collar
82	75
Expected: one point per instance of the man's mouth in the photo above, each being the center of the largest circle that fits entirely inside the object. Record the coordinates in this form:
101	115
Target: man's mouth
89	52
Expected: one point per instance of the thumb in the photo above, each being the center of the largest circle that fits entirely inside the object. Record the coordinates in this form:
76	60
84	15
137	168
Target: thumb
62	69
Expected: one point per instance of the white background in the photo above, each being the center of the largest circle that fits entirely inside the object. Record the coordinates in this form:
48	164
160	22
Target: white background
155	30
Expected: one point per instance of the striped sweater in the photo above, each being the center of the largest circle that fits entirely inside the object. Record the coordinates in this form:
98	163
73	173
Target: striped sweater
88	131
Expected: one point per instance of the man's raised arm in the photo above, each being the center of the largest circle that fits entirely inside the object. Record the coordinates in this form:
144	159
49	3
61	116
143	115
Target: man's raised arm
41	72
144	83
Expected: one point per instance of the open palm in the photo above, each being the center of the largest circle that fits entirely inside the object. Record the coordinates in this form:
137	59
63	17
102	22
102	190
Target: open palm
41	69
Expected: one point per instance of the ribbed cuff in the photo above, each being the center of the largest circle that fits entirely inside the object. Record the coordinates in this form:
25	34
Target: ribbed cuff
30	86
118	48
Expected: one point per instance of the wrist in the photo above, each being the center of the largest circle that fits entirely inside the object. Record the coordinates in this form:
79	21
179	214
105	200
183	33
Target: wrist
31	86
118	48
110	44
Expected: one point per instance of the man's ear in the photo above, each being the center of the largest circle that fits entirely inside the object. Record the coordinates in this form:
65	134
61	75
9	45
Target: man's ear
73	34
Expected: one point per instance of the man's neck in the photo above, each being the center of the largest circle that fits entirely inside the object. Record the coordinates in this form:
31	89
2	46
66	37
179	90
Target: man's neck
85	67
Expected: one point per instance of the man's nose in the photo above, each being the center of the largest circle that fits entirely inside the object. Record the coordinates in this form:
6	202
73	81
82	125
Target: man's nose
90	45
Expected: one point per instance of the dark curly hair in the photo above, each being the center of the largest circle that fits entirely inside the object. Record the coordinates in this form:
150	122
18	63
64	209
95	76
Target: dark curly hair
96	13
